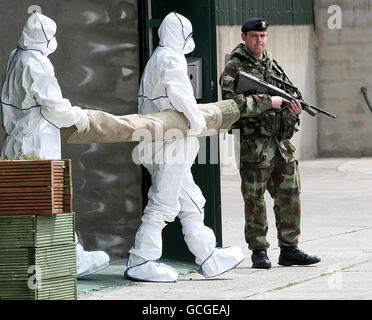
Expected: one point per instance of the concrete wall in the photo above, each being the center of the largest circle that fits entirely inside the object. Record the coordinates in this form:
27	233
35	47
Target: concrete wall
344	66
97	65
294	49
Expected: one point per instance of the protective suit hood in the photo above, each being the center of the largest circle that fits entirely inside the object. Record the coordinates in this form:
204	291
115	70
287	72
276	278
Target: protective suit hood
174	31
39	34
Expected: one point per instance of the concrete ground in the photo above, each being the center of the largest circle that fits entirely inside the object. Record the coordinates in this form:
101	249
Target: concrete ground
336	225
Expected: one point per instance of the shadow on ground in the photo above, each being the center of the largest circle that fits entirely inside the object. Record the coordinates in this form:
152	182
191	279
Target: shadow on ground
112	277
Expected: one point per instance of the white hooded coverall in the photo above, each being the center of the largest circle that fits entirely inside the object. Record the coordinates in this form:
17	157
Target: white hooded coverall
165	86
33	110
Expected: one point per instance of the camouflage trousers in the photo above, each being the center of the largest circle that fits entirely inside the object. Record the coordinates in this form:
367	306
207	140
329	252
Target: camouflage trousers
282	181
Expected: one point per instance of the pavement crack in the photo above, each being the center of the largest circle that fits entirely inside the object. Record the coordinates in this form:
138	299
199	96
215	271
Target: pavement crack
338	234
295	283
330	236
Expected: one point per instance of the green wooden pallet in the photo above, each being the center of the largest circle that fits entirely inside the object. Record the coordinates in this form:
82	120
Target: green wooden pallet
62	288
46	262
37	247
21	231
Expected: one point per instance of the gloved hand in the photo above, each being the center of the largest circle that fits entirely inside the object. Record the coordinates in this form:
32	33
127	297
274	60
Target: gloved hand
196	131
197	126
83	126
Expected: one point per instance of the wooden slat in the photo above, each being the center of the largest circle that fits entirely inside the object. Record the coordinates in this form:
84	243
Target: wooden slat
25	190
33	173
11	202
23	163
27	184
31	212
25	198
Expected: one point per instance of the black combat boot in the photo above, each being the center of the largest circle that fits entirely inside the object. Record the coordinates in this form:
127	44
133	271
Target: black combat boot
293	256
260	259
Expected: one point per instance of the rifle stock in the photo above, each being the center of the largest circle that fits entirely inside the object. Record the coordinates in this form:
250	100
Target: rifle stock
251	84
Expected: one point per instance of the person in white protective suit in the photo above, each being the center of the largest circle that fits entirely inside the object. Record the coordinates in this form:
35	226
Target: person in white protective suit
165	86
33	110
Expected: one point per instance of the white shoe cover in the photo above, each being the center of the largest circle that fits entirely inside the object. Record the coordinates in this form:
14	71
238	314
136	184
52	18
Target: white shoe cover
152	271
221	260
88	262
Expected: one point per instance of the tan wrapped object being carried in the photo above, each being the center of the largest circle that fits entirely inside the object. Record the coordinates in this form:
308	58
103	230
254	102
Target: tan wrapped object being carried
108	128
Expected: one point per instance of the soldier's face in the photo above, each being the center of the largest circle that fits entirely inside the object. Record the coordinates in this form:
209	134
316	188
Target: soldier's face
255	41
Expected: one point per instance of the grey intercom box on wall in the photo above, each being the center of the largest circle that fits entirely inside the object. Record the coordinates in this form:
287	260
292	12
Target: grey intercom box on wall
194	70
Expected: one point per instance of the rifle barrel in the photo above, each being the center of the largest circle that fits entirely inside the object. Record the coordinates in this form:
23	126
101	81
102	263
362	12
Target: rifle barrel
320	110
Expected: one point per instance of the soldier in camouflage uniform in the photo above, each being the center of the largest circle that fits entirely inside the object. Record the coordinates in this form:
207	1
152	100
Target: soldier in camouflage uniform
267	159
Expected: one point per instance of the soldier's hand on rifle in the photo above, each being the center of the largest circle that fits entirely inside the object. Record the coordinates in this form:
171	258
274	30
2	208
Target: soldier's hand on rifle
295	107
276	102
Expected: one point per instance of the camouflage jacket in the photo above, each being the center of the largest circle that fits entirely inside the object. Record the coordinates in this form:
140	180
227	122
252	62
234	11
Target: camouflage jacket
264	133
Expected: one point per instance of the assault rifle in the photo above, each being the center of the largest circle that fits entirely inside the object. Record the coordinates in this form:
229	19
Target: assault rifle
248	84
